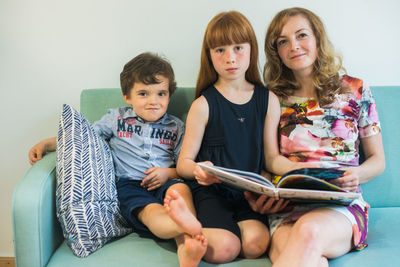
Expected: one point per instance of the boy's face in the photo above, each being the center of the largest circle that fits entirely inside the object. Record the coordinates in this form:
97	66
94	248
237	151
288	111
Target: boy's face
149	101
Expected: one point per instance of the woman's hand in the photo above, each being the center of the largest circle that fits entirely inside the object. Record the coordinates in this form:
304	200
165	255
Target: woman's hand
264	204
156	177
350	179
202	177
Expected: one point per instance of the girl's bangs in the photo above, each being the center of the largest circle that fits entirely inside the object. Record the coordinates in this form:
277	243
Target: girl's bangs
227	34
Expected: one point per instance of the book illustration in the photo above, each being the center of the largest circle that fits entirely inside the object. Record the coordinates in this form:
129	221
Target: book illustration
312	179
304	185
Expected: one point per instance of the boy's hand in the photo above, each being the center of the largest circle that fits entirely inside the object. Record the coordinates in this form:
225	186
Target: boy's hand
203	178
264	204
156	177
37	152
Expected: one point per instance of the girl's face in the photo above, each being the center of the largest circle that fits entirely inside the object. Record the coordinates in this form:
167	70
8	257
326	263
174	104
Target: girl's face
231	61
297	46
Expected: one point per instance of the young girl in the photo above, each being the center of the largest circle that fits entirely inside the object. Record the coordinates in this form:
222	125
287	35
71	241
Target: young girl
225	128
323	117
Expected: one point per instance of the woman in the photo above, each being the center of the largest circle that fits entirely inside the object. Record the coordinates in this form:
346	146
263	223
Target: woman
321	117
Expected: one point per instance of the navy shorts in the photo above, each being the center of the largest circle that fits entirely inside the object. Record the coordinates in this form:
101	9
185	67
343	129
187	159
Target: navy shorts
220	206
132	196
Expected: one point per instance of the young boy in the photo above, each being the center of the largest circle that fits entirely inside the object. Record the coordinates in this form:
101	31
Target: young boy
145	142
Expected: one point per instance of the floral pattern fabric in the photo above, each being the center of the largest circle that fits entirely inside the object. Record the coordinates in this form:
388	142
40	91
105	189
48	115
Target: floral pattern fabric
331	134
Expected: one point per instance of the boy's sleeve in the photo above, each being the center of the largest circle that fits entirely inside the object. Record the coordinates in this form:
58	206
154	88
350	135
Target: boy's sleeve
179	140
104	126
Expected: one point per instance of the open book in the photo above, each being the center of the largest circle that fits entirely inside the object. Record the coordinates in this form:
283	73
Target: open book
303	185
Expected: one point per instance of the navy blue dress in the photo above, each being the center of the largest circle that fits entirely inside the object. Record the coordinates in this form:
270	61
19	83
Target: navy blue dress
233	138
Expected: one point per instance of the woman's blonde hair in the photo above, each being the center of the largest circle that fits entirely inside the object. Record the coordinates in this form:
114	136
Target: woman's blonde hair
327	67
227	28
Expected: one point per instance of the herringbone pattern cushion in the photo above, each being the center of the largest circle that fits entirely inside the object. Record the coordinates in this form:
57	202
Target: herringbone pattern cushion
86	196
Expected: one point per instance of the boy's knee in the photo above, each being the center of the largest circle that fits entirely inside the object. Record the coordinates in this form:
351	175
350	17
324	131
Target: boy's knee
182	188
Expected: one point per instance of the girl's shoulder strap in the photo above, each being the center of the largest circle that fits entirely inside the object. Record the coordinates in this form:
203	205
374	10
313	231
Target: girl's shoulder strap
210	93
261	96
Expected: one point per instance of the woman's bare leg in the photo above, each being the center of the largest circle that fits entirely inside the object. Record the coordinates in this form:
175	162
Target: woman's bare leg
318	235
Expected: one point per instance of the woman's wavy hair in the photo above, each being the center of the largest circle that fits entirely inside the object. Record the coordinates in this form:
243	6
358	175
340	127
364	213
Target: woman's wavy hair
327	67
227	28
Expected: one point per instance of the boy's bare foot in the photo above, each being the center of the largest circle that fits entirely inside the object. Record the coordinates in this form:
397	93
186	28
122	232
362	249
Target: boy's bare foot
177	209
192	250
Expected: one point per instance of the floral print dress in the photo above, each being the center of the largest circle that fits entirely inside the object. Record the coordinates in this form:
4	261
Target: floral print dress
330	135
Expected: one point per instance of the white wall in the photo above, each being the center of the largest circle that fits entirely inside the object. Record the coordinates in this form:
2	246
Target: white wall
51	49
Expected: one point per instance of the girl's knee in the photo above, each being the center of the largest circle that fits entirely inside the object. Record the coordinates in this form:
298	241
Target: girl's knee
255	244
223	250
255	249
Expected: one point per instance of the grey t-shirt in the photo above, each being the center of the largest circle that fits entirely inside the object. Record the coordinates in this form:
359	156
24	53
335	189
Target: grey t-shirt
137	145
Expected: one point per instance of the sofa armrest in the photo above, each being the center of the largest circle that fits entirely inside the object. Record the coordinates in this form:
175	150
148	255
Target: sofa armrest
36	230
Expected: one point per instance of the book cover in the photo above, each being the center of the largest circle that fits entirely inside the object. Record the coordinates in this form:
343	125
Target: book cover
302	185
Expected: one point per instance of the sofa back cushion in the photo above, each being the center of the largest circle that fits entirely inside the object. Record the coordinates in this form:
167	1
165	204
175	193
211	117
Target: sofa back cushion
383	191
380	192
86	195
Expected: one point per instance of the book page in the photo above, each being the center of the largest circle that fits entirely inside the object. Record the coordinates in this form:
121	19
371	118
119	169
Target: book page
316	196
307	182
242	180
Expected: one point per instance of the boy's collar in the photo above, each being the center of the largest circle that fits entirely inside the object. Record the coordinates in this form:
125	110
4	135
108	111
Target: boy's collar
130	113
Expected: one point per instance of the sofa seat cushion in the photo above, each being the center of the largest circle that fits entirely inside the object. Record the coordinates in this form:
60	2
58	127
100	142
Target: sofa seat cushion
383	241
136	250
130	250
86	196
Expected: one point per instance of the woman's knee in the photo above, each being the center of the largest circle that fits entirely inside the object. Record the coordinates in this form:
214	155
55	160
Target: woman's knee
308	232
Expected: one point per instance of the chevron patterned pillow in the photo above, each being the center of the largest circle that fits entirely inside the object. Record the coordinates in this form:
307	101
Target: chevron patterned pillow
86	195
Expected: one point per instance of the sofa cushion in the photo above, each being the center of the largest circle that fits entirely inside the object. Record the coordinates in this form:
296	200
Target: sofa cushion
382	250
86	196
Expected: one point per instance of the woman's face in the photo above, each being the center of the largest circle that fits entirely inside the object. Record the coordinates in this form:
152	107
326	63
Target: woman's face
297	46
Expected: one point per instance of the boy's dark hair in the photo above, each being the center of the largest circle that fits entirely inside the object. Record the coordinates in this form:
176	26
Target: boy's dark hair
144	68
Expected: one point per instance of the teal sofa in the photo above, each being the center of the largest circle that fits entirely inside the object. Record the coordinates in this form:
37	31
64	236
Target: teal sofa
39	241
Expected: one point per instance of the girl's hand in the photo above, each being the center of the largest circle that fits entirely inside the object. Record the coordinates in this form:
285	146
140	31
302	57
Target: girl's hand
155	178
203	178
349	181
264	204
